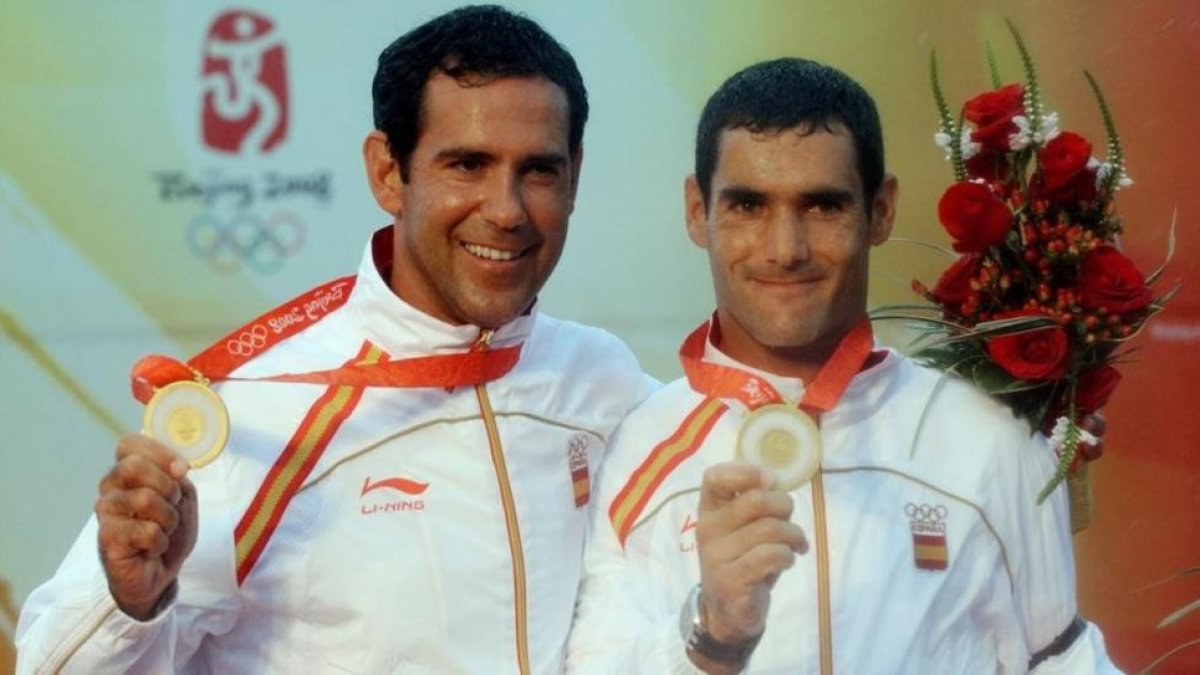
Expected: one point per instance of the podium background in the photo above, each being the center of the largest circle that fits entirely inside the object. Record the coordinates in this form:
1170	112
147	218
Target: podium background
111	200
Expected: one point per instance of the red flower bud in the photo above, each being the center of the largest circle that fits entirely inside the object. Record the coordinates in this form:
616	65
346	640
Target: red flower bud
1039	354
974	217
1111	282
992	113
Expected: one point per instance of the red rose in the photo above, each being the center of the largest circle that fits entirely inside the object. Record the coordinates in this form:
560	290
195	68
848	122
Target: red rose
954	286
990	166
1039	354
1062	160
1108	280
974	217
992	114
1094	387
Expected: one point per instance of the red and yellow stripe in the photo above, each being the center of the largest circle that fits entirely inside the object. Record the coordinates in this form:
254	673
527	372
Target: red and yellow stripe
294	465
661	461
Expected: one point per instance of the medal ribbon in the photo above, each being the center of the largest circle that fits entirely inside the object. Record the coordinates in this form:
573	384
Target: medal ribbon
237	348
821	395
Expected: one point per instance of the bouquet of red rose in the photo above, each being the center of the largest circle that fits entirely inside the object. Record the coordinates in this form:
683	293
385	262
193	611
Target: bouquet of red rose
1040	298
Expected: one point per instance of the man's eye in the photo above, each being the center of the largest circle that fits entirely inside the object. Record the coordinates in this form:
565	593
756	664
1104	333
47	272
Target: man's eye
746	206
826	207
468	165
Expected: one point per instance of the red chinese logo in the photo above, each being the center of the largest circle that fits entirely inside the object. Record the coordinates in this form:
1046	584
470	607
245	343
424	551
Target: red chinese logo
244	84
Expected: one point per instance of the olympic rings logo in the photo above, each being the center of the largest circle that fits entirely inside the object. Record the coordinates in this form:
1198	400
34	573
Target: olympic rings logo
248	341
925	513
246	240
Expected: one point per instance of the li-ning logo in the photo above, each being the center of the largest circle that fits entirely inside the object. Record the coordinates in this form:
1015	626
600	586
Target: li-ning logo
405	486
928	525
243	84
687	535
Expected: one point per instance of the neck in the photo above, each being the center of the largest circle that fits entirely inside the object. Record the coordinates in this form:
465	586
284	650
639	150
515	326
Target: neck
803	362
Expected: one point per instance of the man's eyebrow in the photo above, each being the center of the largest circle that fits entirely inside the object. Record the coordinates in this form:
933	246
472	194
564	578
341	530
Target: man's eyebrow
738	193
830	194
461	153
555	159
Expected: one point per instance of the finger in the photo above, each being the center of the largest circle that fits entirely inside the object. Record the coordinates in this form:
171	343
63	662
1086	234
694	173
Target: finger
744	509
723	482
140	504
121	538
162	456
138	471
735	544
763	563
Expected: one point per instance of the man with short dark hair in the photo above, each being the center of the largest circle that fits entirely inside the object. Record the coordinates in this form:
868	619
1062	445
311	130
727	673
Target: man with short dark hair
882	518
412	497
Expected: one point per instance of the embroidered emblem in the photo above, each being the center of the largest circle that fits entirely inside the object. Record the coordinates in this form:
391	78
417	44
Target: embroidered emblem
399	494
928	524
577	460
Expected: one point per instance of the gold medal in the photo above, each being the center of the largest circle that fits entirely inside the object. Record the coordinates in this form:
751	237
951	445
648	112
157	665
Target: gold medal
190	419
784	440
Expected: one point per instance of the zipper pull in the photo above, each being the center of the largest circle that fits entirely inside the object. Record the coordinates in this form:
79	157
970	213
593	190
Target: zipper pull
484	339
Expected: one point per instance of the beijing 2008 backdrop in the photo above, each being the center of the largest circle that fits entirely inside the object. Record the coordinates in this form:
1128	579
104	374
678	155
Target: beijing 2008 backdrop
170	169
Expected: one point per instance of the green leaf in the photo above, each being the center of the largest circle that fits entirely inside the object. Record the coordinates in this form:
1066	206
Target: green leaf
1154	276
1033	92
1116	158
948	126
992	67
995	380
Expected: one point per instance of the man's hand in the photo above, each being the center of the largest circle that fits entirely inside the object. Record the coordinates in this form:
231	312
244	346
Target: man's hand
745	541
148	522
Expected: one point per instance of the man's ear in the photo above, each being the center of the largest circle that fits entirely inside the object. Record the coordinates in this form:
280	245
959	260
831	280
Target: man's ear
383	173
695	211
883	209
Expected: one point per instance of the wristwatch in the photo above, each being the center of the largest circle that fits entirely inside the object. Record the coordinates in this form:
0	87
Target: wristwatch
695	634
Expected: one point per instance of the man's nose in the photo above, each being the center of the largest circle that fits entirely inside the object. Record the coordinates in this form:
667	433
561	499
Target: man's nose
503	202
787	240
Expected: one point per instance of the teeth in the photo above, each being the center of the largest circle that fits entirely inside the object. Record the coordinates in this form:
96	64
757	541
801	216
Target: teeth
491	253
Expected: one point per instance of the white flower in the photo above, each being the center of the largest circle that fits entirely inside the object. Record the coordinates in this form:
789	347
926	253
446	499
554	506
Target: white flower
1026	136
1058	435
968	147
1104	169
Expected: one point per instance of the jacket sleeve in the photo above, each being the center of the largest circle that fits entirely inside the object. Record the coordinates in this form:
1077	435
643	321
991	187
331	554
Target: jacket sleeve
1042	562
71	624
623	625
625	621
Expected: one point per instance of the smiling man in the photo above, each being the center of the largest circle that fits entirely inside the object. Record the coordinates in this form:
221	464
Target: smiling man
415	500
887	522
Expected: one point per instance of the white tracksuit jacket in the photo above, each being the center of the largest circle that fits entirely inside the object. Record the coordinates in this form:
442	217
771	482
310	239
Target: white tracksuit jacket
476	573
1007	590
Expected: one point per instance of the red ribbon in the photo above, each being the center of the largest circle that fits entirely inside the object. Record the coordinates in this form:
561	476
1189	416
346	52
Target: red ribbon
820	395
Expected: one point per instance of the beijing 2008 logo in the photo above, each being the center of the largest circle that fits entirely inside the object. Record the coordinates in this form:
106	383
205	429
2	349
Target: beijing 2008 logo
245	92
247	202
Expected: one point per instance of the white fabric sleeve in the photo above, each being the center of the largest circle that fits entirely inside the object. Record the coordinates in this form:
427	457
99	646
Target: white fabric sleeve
1042	561
71	624
622	624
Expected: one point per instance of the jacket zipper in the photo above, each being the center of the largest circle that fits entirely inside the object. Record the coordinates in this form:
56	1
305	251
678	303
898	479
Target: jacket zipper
824	615
510	515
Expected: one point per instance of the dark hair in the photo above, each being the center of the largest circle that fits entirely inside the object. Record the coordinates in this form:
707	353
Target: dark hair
785	94
474	45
